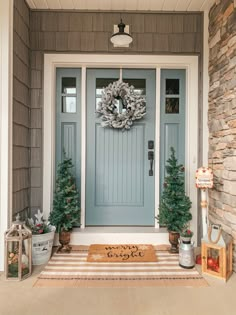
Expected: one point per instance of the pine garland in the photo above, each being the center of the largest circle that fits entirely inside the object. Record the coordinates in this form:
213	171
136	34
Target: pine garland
135	106
175	205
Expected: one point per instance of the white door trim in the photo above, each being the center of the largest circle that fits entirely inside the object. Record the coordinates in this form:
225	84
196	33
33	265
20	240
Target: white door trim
52	61
6	77
205	130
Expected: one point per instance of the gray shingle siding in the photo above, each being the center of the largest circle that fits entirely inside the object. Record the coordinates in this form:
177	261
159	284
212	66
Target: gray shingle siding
21	108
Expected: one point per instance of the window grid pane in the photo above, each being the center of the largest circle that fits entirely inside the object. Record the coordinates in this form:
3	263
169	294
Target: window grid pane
69	95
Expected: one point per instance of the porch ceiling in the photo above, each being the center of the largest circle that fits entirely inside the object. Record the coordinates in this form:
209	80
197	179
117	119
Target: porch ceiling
122	5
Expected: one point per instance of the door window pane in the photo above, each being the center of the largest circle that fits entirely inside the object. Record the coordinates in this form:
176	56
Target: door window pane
172	86
68	85
69	104
138	84
68	95
101	83
172	105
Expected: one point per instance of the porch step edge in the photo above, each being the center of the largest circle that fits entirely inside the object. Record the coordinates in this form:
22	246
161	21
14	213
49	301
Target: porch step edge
87	237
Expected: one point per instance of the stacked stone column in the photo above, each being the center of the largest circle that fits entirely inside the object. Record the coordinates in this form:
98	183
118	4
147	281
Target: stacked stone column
222	115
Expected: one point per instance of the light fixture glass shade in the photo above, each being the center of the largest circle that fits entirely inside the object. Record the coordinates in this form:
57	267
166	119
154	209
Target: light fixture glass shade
121	38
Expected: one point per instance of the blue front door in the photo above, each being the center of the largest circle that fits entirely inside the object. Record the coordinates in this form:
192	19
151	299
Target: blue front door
119	188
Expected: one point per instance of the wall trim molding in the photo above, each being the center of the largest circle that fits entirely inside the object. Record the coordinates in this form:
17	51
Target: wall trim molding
205	83
52	61
6	78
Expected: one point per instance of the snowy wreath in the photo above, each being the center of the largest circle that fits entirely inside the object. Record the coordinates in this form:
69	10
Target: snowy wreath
120	106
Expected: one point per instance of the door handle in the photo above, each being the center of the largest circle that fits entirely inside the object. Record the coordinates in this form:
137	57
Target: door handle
151	158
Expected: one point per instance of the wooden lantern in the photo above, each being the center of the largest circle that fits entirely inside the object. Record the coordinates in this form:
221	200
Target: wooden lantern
18	254
217	253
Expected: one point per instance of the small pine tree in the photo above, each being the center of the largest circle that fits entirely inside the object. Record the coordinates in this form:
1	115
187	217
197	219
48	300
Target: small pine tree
66	210
174	209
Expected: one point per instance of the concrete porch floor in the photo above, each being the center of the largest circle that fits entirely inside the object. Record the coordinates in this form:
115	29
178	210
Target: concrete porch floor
21	298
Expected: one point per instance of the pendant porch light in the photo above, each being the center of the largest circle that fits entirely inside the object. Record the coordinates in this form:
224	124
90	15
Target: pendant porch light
121	38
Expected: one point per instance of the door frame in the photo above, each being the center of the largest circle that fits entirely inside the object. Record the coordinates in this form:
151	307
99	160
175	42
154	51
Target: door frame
83	61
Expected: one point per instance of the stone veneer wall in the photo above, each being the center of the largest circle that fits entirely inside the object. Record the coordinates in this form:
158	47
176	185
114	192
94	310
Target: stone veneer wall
222	115
80	32
21	108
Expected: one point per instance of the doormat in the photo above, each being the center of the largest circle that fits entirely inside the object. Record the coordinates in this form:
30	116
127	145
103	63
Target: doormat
73	270
121	253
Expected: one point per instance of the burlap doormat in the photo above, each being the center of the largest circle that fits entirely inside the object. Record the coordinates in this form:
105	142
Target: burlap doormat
73	270
121	253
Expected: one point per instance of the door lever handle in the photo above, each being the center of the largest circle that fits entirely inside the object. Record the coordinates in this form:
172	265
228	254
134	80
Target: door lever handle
151	158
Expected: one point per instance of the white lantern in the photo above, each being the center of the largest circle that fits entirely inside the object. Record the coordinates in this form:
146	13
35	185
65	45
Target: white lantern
18	255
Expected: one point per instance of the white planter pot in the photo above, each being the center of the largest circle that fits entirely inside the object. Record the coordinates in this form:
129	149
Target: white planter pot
42	247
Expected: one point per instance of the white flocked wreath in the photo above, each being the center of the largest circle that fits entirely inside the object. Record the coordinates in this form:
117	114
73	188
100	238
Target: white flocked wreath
135	106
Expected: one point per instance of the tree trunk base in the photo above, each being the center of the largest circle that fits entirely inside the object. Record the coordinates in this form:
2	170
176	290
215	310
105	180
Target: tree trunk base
64	249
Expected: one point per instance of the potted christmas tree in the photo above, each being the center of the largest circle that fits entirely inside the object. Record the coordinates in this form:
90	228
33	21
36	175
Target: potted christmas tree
66	210
174	209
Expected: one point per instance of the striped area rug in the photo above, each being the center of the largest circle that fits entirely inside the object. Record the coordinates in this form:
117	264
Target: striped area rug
73	270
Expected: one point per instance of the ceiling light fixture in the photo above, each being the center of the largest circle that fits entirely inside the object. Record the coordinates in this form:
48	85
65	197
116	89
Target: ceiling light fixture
121	38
